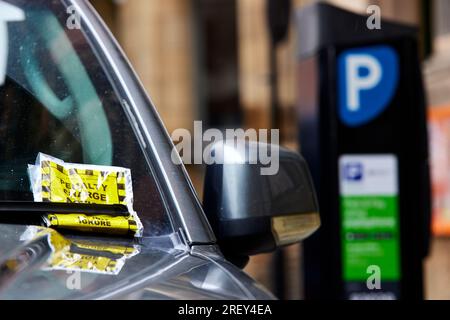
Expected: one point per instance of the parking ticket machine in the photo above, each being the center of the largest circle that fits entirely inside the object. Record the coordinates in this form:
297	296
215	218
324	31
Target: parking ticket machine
362	118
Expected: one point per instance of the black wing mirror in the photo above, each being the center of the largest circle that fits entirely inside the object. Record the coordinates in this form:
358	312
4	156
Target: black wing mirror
253	207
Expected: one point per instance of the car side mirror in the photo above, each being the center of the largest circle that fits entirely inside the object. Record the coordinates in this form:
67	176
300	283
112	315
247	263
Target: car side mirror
252	208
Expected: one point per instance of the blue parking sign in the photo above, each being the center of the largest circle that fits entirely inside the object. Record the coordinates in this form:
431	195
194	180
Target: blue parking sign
367	81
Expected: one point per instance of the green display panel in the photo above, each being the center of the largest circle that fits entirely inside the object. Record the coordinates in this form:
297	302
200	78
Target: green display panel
370	223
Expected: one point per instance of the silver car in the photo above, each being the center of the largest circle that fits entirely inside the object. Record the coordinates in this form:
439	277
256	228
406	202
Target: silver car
67	90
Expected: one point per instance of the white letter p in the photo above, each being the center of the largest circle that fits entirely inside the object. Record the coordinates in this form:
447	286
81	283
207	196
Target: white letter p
355	82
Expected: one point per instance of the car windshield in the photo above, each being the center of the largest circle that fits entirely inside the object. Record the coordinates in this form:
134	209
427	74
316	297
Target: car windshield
56	98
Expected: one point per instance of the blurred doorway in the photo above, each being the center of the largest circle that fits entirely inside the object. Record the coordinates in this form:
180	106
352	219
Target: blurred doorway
216	48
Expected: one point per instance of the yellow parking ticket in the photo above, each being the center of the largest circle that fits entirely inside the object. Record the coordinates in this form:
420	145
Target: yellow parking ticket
61	184
54	180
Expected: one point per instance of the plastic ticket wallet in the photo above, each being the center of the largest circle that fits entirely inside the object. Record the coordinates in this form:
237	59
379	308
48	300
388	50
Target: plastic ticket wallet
53	180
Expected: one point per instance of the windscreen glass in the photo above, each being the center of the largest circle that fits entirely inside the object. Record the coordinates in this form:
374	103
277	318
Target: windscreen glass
56	98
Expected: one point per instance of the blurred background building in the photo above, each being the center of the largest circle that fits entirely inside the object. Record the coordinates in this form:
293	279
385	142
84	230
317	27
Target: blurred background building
213	60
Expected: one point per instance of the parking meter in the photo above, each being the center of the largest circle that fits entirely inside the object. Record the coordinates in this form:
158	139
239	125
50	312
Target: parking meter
362	119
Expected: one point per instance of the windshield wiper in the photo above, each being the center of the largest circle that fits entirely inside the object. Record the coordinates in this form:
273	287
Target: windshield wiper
32	213
86	218
27	208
